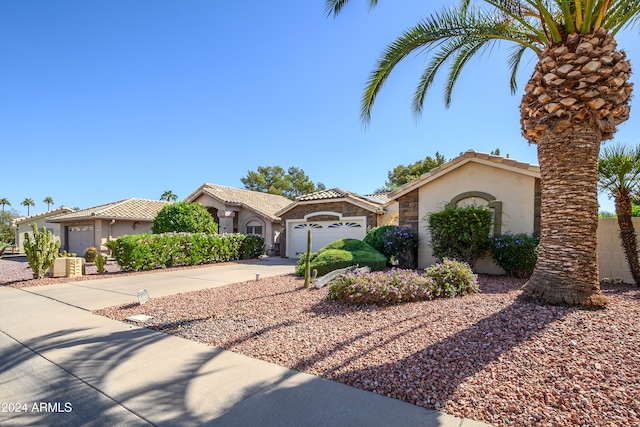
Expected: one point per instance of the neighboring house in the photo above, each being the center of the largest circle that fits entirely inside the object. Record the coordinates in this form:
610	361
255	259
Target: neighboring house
23	225
93	227
331	215
510	188
243	211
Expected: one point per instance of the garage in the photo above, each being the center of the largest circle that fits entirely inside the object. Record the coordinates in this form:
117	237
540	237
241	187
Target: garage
80	237
323	233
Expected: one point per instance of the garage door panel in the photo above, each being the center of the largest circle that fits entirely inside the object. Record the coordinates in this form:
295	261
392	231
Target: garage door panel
80	238
323	233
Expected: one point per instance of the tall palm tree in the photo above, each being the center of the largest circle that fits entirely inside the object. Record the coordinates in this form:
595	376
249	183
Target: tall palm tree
169	196
4	201
619	174
28	202
578	93
49	201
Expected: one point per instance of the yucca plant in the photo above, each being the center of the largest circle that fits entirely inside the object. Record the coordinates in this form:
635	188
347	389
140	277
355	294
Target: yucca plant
578	93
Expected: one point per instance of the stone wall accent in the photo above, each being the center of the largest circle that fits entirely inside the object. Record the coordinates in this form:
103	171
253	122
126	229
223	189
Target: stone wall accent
408	210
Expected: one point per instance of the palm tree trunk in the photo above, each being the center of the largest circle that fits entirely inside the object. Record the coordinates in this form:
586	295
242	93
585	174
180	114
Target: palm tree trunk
567	267
628	235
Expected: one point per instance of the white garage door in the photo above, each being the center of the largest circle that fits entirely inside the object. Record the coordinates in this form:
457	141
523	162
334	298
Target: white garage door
323	233
80	238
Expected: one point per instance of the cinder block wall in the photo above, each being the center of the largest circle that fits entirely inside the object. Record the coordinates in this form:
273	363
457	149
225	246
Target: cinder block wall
612	261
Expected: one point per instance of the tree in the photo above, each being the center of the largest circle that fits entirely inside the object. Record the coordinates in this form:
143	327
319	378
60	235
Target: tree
28	202
578	93
274	180
184	217
169	196
619	174
49	201
7	232
4	202
402	174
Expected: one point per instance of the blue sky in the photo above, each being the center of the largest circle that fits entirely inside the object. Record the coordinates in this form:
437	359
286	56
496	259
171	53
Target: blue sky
105	100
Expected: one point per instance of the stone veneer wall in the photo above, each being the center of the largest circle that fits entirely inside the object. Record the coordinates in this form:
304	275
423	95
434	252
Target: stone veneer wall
346	209
408	212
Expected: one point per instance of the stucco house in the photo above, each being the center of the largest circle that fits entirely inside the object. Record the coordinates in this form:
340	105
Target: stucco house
243	211
93	227
331	215
23	225
511	189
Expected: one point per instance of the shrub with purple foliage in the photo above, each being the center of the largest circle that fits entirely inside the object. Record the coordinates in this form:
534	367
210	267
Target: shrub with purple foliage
398	244
448	279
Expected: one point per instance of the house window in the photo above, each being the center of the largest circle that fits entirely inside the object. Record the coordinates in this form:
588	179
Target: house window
254	227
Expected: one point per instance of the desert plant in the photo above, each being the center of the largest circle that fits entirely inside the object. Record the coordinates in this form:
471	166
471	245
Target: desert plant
111	245
307	261
101	261
452	278
184	217
65	254
460	232
515	253
90	254
398	244
41	250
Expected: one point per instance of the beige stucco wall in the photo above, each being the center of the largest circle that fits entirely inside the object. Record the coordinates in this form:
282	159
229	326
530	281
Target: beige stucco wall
515	190
612	262
106	230
26	228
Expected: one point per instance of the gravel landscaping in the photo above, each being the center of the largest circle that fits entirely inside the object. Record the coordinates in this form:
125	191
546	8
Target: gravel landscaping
489	356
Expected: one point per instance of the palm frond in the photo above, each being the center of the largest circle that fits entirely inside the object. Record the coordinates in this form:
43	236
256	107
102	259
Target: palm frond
514	63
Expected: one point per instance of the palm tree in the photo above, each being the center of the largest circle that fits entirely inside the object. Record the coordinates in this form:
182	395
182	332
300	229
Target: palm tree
578	93
49	201
619	174
4	201
169	196
28	202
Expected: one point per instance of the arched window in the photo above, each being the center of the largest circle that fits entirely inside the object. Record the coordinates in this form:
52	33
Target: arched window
255	227
478	198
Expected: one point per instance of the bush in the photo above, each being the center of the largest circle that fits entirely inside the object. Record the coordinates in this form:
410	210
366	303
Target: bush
151	251
398	244
515	253
90	254
184	217
390	287
448	279
111	245
343	253
460	233
453	278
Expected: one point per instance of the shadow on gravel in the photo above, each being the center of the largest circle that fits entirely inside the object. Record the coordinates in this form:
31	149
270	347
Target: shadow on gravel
430	376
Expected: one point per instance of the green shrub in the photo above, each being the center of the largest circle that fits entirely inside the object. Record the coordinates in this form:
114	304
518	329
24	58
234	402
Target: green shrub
453	278
398	244
184	217
515	253
448	279
65	254
111	245
151	251
41	250
460	233
343	253
100	261
391	287
90	254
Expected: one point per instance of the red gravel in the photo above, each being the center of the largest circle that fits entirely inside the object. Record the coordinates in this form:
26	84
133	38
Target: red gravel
489	356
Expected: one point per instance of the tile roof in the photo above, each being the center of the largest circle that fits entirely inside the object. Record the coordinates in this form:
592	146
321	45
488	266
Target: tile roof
132	209
52	213
263	203
469	155
369	202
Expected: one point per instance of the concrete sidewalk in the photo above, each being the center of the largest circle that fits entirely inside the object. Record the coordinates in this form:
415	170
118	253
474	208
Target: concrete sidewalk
62	365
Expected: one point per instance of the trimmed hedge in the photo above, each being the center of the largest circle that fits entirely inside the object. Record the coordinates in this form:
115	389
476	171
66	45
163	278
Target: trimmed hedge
341	254
152	251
